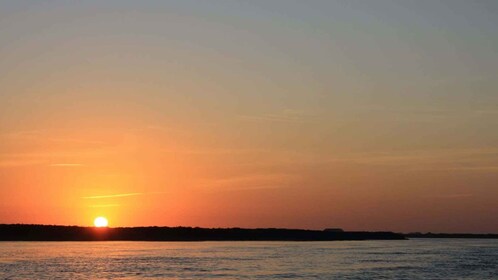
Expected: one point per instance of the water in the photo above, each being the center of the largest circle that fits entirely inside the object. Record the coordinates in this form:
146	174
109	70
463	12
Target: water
412	259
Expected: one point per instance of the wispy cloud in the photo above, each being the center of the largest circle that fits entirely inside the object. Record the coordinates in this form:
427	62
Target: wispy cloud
491	168
121	195
452	196
214	151
475	159
47	136
19	159
270	118
112	195
487	112
66	165
286	116
250	182
22	134
103	205
20	162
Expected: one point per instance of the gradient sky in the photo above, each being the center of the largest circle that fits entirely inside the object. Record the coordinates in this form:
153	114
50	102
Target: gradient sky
365	115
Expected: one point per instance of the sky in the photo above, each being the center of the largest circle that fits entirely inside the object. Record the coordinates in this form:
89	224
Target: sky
363	115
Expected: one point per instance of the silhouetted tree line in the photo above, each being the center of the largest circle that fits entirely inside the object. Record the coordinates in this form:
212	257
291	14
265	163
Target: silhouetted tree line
21	232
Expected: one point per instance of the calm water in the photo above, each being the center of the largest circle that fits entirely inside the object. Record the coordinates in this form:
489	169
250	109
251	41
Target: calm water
413	259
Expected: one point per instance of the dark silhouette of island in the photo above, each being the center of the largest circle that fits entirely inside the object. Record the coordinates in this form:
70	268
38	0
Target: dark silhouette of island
451	235
22	232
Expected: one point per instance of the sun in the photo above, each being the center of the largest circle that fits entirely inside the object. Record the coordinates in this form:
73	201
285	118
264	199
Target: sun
100	222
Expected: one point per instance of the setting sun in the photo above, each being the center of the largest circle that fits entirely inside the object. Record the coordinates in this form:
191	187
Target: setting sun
100	222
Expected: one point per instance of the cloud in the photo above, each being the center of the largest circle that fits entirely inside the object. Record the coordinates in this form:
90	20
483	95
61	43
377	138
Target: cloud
448	159
452	196
23	134
487	112
491	168
285	116
66	165
120	195
271	118
47	135
103	205
20	162
213	151
19	159
112	195
251	182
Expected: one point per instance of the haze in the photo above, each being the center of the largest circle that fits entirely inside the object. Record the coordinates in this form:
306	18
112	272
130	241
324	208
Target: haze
364	115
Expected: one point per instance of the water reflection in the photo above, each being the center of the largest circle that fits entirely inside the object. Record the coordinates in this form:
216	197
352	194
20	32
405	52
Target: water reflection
413	259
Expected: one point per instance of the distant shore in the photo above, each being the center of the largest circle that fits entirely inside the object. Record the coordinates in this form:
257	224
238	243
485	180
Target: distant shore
24	232
452	235
21	232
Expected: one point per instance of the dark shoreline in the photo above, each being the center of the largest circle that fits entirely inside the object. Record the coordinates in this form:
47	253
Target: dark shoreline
24	232
21	232
453	235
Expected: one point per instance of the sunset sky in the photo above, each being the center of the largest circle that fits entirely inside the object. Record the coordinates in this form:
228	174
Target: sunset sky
364	115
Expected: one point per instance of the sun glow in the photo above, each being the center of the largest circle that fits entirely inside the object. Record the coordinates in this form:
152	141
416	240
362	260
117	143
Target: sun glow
100	222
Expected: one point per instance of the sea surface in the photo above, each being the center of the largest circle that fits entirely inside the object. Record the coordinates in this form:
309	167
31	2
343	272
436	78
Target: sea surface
410	259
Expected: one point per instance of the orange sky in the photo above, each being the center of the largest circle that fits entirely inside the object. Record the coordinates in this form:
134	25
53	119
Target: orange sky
249	115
